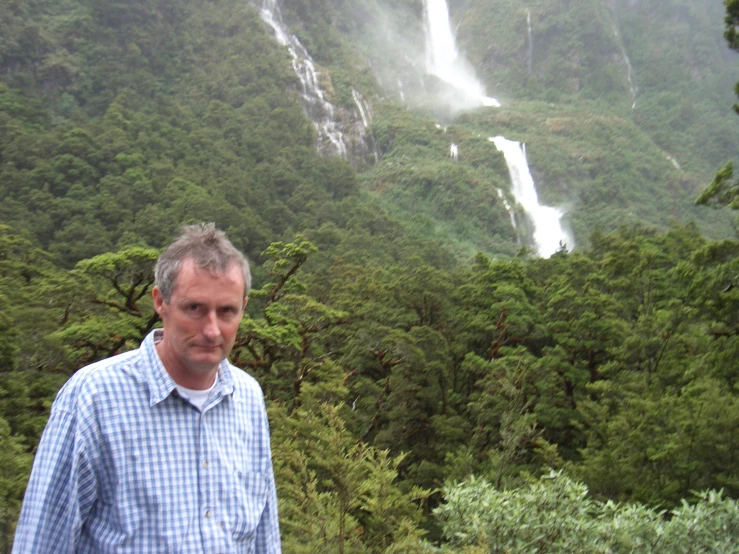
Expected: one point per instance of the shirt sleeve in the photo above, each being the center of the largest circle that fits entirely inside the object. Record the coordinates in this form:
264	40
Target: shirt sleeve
60	493
268	531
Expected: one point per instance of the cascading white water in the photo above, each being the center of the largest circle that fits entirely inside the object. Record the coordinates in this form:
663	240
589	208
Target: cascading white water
443	59
362	106
673	161
548	231
507	206
320	110
454	152
630	74
366	114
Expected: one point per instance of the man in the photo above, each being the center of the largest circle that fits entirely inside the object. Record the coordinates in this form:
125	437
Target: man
165	448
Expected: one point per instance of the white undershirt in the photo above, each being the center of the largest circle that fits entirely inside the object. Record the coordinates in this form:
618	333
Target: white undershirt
197	398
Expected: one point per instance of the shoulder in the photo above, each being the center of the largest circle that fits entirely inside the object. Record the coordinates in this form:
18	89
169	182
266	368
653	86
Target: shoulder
242	378
245	386
98	378
249	408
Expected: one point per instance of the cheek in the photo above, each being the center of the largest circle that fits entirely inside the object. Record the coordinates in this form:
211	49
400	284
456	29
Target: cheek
187	328
230	331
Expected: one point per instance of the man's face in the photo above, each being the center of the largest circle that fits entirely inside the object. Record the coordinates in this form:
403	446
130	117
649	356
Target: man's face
200	322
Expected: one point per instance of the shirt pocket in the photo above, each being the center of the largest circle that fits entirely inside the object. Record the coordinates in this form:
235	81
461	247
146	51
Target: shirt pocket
248	500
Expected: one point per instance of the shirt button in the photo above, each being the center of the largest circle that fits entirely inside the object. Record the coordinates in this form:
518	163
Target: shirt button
205	463
208	513
220	524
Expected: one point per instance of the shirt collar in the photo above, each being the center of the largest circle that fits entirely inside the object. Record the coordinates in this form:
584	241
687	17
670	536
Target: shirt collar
160	381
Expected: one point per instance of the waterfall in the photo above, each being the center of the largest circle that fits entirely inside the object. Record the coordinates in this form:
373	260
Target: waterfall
630	74
454	152
507	206
312	97
443	59
548	231
673	161
362	106
366	115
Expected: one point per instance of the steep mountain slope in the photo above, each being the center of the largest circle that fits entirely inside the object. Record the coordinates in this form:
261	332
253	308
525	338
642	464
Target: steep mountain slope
111	112
392	353
625	107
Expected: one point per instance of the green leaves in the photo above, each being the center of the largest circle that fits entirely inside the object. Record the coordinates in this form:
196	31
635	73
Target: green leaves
118	313
15	465
337	494
721	191
556	514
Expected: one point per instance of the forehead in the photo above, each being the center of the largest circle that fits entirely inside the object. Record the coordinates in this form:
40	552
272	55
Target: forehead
192	280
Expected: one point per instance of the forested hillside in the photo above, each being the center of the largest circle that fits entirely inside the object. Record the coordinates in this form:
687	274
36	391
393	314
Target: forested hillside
419	361
624	107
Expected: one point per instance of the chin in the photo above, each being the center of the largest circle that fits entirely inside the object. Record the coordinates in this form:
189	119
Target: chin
206	363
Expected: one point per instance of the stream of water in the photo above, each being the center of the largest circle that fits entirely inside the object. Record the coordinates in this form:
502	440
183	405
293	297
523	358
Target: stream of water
312	97
549	235
444	61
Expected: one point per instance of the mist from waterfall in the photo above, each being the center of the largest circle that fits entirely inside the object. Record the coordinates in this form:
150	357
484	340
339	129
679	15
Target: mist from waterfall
548	234
443	59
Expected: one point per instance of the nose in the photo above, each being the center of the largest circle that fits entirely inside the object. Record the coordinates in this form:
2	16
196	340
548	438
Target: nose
211	330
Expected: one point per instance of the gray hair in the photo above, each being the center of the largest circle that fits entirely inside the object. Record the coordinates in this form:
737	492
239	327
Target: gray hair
208	248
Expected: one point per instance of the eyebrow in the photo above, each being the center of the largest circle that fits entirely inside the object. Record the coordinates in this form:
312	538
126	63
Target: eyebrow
188	300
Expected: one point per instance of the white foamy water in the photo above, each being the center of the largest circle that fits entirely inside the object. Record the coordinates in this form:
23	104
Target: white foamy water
548	230
443	59
313	100
363	107
507	206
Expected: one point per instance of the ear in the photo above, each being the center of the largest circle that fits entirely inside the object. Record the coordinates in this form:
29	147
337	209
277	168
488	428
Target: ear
156	295
245	302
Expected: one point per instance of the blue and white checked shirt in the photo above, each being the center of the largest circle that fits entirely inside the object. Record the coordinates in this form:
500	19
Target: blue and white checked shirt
126	464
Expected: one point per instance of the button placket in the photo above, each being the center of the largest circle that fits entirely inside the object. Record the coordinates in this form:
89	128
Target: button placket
205	484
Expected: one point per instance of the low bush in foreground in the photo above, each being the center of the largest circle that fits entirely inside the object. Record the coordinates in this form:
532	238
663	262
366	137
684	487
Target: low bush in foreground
555	514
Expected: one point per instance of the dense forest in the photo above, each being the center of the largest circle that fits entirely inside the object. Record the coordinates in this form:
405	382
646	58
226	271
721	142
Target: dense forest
432	384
